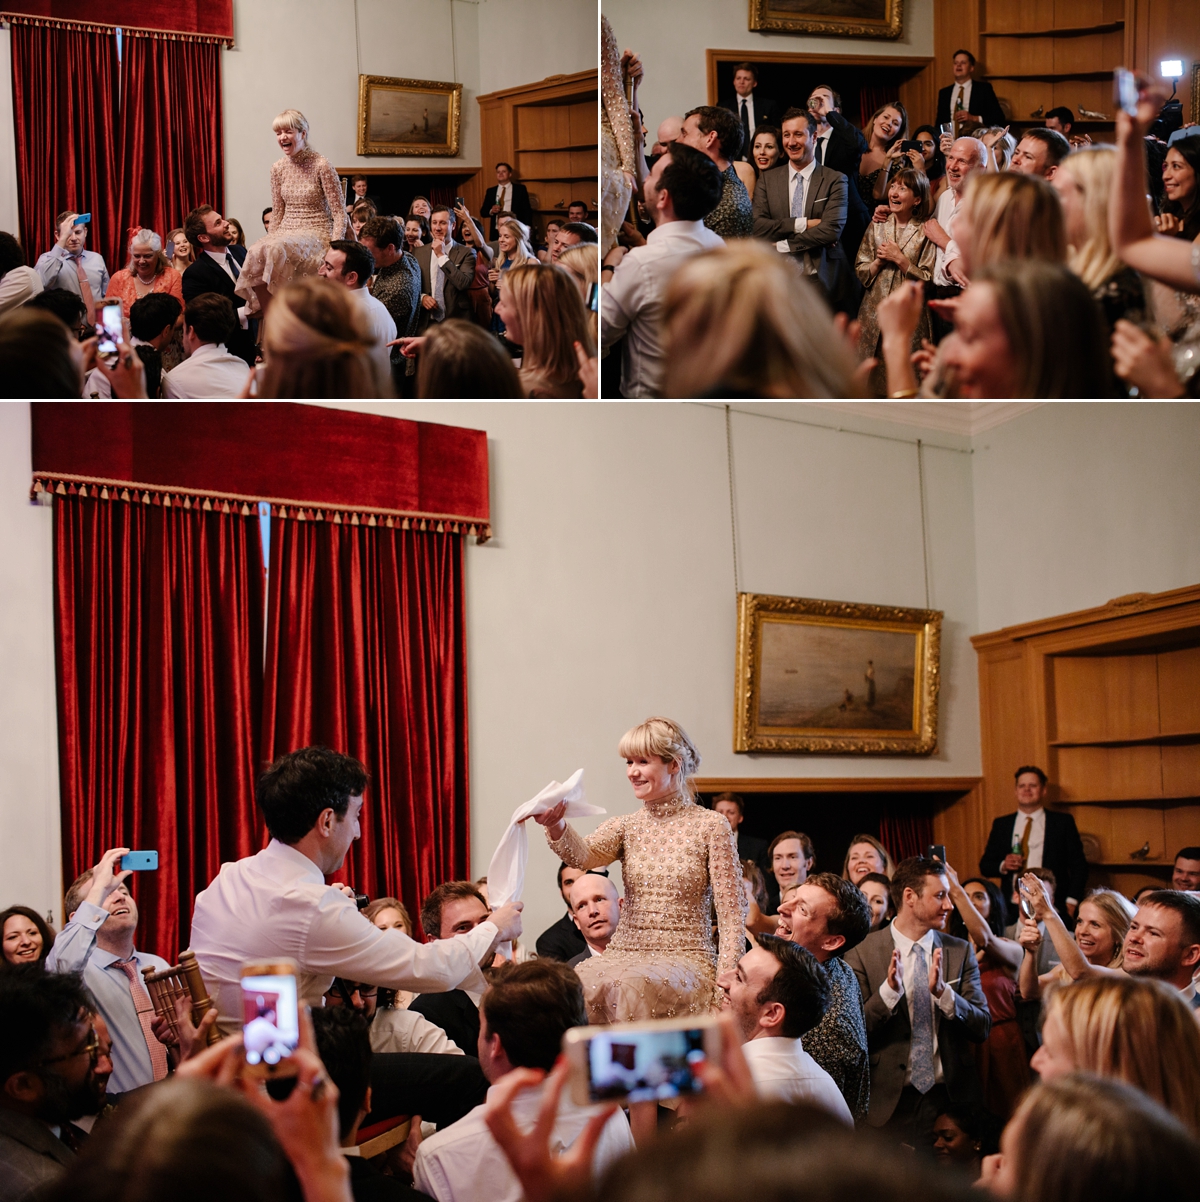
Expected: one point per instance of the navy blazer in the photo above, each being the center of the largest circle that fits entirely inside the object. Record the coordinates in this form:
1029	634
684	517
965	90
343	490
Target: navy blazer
205	275
984	104
1062	853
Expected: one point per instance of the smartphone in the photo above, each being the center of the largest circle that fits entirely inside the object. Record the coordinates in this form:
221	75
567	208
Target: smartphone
270	1017
459	202
908	145
83	219
1125	90
639	1062
169	249
110	331
593	300
140	861
937	851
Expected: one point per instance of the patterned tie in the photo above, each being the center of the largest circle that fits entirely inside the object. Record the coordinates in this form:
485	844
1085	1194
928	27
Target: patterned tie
145	1012
958	103
798	197
921	1051
85	289
439	289
1025	840
233	267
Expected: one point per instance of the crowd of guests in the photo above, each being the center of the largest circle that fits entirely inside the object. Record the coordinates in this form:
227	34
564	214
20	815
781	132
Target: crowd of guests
961	260
421	305
890	1027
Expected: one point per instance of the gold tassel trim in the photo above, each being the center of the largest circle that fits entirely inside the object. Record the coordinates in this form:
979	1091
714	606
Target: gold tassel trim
133	31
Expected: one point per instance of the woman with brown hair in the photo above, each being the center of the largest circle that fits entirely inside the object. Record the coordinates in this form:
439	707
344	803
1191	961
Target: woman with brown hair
25	937
1138	1030
317	344
459	361
887	128
360	214
544	315
740	321
864	856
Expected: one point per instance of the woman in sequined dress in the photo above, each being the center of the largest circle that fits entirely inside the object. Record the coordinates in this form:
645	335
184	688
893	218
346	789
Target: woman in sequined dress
618	154
678	861
307	213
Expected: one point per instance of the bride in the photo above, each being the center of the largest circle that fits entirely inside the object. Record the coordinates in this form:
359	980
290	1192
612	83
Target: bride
677	860
307	213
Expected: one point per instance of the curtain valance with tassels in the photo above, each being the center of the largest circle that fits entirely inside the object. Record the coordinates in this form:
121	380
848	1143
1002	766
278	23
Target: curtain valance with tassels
189	20
310	463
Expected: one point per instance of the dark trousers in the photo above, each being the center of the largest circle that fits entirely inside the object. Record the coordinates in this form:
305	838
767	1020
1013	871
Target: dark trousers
441	1089
941	327
912	1121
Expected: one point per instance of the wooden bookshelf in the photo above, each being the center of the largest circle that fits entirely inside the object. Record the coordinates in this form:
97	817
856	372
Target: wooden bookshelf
547	131
1106	701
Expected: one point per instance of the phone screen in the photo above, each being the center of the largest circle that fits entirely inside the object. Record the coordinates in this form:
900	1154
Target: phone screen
593	301
270	1018
644	1065
110	331
1125	91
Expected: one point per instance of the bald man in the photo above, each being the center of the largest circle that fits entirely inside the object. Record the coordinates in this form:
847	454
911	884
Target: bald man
668	131
596	910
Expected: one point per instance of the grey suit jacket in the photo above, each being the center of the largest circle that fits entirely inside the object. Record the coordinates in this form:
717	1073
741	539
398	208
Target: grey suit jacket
818	249
31	1156
889	1032
459	271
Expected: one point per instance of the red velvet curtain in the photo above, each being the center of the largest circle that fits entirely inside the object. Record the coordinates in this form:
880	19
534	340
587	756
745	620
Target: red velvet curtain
170	148
906	835
871	98
366	654
158	638
65	117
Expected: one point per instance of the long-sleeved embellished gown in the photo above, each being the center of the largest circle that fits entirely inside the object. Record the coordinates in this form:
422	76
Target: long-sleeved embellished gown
678	862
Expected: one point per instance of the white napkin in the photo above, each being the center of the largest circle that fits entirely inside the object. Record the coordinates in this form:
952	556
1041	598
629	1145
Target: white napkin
506	873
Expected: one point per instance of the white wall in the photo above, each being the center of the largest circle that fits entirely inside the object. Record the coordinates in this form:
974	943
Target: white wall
1076	504
29	827
672	39
10	218
523	41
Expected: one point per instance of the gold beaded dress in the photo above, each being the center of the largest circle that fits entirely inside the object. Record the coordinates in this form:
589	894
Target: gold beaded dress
678	862
616	142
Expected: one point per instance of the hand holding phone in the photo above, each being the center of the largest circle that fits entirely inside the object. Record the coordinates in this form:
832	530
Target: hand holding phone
937	851
140	861
270	1017
110	330
1125	90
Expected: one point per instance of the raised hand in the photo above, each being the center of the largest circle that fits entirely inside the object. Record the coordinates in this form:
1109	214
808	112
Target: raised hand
937	983
895	973
508	920
107	876
1029	937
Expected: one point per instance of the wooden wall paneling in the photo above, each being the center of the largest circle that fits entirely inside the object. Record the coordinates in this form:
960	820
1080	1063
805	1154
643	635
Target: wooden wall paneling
1166	29
1179	690
1105	697
1127	773
1181	828
962	828
1132	827
1181	770
1003	714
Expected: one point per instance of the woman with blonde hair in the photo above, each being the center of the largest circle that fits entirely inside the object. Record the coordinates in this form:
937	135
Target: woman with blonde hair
866	855
149	270
583	262
1138	1030
182	255
740	321
1100	929
678	861
544	315
307	213
459	361
1007	217
513	250
1084	182
317	344
887	128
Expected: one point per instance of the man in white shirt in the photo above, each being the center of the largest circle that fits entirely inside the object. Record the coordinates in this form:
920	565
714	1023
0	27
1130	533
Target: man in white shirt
968	101
965	156
525	1013
18	283
778	993
351	264
682	189
276	903
596	908
751	111
923	1006
209	371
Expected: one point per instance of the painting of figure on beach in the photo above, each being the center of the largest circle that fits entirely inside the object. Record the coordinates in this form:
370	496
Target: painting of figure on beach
407	116
846	18
836	676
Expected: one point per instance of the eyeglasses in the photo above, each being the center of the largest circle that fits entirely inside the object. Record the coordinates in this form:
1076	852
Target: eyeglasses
91	1048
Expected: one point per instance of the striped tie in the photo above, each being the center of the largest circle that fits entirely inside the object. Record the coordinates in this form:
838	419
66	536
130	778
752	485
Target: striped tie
145	1012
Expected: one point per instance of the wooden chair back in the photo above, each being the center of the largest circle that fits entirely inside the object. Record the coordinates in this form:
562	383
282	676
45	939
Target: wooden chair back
181	981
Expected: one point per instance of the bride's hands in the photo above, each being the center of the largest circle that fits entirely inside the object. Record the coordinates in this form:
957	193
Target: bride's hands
554	820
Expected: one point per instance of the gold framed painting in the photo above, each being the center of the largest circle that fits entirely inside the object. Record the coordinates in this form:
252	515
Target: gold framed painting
408	116
835	677
844	18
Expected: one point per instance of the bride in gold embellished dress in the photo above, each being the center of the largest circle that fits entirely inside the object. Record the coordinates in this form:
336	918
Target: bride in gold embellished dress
678	860
308	211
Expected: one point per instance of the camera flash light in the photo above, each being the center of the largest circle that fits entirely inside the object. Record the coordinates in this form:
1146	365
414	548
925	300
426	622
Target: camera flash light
1171	68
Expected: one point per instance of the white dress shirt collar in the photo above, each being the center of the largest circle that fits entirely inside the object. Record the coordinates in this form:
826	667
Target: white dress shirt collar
806	173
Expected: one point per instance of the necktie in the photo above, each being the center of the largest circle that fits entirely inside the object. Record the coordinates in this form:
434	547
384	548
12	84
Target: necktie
798	197
72	1136
145	1012
819	156
746	127
921	1051
232	263
1196	1000
958	103
85	290
1025	840
439	288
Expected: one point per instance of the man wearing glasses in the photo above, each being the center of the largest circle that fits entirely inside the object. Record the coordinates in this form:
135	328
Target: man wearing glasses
54	1066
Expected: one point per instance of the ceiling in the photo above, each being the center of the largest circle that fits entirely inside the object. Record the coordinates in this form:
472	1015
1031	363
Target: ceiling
955	417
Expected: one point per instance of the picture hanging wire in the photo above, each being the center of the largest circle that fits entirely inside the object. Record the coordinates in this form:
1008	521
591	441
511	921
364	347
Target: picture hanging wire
732	509
924	531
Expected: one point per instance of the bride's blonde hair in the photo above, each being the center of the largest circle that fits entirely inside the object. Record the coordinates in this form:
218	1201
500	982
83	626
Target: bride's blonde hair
667	740
290	119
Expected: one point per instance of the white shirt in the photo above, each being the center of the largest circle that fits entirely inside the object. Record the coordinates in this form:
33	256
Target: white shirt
795	177
1037	835
383	325
210	371
945	214
18	285
748	101
944	1004
783	1070
631	302
408	1031
96	385
463	1163
276	903
221	258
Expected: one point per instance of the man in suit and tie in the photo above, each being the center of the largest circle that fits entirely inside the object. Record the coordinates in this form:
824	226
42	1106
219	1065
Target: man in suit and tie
447	271
841	146
596	910
218	263
801	208
748	847
506	196
751	111
923	1005
1034	837
968	100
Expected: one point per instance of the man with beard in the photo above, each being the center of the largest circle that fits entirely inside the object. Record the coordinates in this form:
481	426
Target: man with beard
53	1069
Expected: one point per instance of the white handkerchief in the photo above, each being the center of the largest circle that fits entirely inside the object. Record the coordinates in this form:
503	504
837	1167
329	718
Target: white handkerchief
506	873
